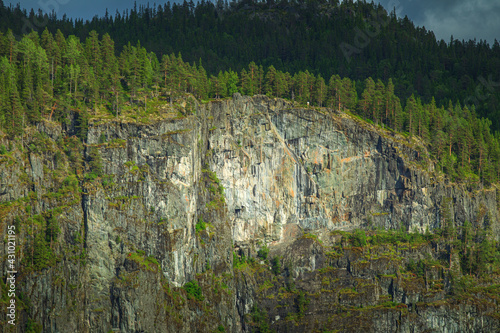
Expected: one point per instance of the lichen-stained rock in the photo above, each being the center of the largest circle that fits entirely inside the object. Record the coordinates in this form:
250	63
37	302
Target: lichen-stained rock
282	165
350	289
135	227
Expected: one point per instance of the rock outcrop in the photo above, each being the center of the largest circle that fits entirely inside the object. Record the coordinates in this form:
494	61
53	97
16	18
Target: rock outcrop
135	230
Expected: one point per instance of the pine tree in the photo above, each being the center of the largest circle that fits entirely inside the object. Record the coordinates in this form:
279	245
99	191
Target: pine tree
481	141
351	96
215	87
11	112
451	126
148	62
48	44
260	80
320	91
202	85
246	84
165	68
388	103
231	79
93	54
410	111
366	102
423	121
438	137
11	47
271	84
33	68
378	102
221	86
254	77
398	117
72	55
336	88
301	85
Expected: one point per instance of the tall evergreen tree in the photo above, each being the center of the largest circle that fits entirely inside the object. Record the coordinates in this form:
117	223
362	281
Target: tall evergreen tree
410	110
320	91
366	102
337	92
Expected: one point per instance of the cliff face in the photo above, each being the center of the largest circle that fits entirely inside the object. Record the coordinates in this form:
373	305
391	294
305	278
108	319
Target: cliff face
284	167
134	231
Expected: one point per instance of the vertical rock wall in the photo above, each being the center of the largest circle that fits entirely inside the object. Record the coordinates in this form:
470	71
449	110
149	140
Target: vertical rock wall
287	169
143	210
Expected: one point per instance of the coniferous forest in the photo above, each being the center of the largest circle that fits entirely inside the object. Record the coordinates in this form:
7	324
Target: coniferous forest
147	195
441	93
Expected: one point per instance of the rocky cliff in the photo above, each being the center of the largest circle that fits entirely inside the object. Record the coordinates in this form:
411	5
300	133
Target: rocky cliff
156	226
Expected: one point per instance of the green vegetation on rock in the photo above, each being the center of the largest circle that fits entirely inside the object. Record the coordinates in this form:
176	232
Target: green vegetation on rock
193	291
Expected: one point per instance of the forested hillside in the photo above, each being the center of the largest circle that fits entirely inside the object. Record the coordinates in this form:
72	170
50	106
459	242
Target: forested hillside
147	194
352	39
46	76
288	50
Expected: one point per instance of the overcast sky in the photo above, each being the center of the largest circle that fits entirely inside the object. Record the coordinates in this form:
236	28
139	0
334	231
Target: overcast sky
464	19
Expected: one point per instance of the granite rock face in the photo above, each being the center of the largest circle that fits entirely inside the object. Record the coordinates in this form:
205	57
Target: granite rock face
285	167
134	230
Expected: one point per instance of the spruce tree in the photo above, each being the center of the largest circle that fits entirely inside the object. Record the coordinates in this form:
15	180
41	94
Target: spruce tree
320	91
336	88
271	84
366	102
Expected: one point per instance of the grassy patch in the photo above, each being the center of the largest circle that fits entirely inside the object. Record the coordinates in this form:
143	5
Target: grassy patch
149	263
193	291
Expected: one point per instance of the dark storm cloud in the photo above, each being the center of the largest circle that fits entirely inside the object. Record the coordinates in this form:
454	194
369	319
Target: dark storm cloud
464	19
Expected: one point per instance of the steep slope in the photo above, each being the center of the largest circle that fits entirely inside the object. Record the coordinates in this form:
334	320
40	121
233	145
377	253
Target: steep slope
355	39
285	167
134	230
